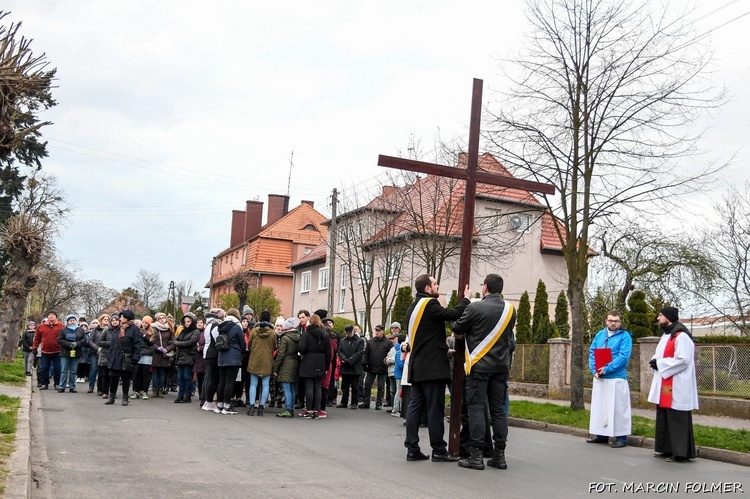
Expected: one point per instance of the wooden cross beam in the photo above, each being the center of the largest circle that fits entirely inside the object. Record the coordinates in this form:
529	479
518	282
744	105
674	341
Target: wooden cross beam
472	176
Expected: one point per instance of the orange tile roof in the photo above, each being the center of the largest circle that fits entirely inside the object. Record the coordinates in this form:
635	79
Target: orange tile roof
319	252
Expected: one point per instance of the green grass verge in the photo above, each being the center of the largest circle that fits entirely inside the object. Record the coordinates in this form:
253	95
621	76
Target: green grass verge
8	418
708	436
13	373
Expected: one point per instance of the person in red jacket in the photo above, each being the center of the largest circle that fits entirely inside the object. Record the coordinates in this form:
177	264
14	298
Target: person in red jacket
46	335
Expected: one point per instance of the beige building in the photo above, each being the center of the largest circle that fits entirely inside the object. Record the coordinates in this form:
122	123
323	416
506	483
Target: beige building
387	243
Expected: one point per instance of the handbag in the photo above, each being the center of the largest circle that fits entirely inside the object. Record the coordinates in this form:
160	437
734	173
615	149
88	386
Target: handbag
169	355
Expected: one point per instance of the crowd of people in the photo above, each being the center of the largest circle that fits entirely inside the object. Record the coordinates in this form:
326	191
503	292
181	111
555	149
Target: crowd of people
231	361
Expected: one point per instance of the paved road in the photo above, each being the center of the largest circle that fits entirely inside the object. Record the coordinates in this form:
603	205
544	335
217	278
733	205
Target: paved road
155	448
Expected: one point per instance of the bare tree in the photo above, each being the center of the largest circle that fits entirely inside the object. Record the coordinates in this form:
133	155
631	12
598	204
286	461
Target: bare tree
93	296
242	282
663	265
149	286
602	107
57	286
728	243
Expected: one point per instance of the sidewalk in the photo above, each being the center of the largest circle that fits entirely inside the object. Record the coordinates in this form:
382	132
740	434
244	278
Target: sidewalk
717	421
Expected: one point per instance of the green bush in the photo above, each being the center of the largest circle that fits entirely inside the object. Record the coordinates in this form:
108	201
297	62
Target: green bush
721	339
339	323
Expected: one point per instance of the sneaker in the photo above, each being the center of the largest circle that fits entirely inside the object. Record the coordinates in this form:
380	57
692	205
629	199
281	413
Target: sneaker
305	414
285	414
144	396
231	410
135	396
314	415
396	414
208	406
217	410
322	414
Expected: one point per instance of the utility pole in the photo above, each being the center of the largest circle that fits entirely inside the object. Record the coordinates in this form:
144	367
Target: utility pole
332	245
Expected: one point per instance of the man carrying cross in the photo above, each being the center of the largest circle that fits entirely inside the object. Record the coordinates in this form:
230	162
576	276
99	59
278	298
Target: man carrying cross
488	328
428	367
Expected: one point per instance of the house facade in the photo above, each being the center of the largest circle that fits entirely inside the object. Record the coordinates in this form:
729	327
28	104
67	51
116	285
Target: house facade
416	229
267	250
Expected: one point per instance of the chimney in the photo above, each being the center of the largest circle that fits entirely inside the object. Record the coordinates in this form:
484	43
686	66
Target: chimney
388	190
309	203
253	218
278	206
238	228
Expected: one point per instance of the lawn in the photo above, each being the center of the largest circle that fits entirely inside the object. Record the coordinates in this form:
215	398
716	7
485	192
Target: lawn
13	373
707	436
8	416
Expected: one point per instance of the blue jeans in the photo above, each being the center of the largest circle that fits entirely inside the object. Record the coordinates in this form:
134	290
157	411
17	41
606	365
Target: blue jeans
158	377
290	395
185	380
50	359
93	369
68	369
265	380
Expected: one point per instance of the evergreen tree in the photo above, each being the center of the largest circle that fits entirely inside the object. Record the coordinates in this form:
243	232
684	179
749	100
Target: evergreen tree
523	319
401	305
561	316
451	304
541	328
638	317
657	303
598	308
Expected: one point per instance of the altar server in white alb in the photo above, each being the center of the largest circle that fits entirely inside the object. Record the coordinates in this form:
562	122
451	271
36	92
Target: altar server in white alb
610	396
674	389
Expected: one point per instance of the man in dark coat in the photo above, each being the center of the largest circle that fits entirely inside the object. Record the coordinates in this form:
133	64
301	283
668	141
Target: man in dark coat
376	351
488	327
428	368
124	354
351	349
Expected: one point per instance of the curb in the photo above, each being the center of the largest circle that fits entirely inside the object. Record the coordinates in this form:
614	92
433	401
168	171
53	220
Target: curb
18	483
723	455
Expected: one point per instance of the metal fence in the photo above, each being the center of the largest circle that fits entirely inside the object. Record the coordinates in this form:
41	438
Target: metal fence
634	369
530	364
723	370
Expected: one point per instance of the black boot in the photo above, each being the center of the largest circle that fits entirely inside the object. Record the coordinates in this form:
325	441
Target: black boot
125	399
178	400
260	410
498	460
474	461
251	411
187	400
110	400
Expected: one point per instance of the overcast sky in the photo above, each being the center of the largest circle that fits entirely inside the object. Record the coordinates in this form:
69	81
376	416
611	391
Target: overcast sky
171	114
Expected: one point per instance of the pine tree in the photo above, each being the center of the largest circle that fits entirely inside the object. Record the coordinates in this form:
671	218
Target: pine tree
523	319
561	315
400	306
637	318
451	304
541	328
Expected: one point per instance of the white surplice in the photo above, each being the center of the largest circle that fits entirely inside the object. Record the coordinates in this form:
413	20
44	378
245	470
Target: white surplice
610	408
681	368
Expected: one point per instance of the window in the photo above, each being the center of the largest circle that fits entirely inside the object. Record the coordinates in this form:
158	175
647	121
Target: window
493	218
342	300
344	276
305	288
365	272
323	279
307	251
519	222
361	320
341	233
393	266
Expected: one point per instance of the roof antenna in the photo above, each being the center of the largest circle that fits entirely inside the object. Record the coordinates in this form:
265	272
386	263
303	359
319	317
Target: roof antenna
289	182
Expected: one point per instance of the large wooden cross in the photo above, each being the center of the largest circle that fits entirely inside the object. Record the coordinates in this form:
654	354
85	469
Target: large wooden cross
472	176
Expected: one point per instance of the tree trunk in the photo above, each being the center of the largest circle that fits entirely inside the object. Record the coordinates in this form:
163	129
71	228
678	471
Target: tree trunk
577	311
20	280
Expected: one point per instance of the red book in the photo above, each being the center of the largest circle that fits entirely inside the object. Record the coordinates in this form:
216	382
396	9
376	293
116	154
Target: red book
602	357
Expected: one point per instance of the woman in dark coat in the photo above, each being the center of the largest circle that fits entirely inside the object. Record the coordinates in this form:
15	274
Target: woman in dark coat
186	344
286	366
314	347
163	350
142	378
27	340
230	360
124	354
111	325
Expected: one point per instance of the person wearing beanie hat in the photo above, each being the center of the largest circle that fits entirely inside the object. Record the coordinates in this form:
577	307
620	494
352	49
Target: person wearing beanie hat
147	319
247	313
235	313
186	344
610	396
71	340
124	353
674	389
262	344
218	312
286	366
27	340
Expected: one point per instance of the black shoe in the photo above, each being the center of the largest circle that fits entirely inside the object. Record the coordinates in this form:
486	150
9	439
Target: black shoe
61	390
110	400
417	456
364	406
498	460
475	462
73	391
377	407
619	444
597	440
260	410
251	411
443	458
353	407
125	400
178	400
28	373
187	400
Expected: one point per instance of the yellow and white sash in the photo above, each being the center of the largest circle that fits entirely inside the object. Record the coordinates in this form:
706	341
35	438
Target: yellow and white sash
489	341
415	319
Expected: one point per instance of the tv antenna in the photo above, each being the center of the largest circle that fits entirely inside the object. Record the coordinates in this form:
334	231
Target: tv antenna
289	181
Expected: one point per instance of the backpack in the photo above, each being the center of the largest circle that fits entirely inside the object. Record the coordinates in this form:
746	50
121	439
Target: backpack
222	342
